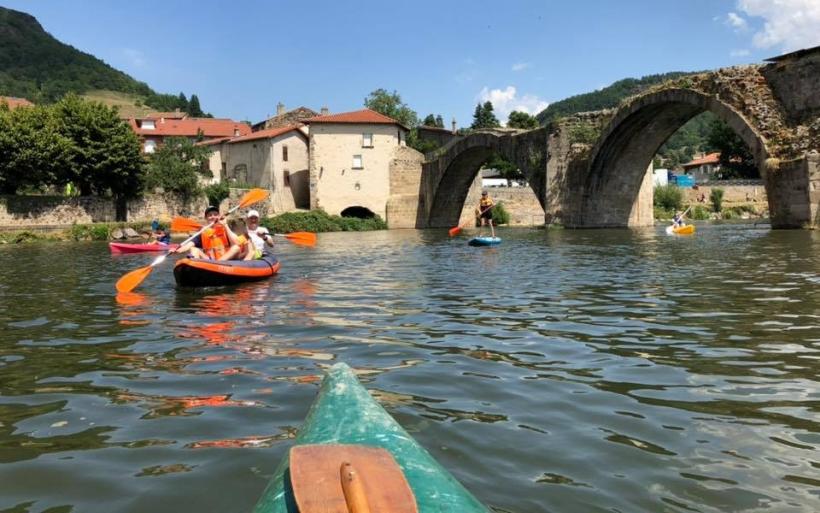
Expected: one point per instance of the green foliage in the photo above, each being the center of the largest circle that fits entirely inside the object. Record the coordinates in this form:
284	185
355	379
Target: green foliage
320	221
584	133
606	98
662	213
419	144
668	197
484	117
688	140
434	121
99	231
736	160
500	214
390	105
522	120
170	102
176	167
716	199
699	213
506	168
217	192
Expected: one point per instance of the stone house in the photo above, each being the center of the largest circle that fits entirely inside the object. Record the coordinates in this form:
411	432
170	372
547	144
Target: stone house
287	118
154	128
275	159
350	155
704	167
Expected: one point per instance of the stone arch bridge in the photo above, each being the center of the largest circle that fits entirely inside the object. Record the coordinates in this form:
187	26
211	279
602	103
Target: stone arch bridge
591	170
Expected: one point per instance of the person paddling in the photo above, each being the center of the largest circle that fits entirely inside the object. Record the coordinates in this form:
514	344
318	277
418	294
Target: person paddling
216	242
485	211
677	219
260	236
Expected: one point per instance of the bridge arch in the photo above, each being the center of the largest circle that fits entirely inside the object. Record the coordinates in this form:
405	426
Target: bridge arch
620	158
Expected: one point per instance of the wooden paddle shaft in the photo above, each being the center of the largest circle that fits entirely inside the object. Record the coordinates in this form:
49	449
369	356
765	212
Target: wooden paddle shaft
353	488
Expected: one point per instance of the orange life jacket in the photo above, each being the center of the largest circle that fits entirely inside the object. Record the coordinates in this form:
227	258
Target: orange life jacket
215	241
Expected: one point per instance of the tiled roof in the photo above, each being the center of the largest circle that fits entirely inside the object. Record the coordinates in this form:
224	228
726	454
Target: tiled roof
364	117
265	134
211	142
167	115
288	118
711	158
13	102
191	127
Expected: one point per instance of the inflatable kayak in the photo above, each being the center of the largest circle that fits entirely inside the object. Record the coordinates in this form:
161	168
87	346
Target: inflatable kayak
200	272
345	413
124	247
484	241
689	229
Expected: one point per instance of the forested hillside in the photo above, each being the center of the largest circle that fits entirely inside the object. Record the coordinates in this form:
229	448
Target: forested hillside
36	66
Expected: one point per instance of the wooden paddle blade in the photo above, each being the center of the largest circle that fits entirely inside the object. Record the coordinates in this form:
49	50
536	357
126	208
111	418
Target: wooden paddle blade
304	238
253	196
317	484
455	231
183	224
131	280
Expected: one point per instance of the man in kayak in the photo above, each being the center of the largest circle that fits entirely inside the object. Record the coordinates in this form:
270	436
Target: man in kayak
260	236
677	220
485	211
216	242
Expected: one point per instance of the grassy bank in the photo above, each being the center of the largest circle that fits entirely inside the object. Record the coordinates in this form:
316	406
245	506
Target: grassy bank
320	221
77	232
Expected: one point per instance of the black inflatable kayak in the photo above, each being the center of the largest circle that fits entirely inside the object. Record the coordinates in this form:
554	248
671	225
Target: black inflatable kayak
200	272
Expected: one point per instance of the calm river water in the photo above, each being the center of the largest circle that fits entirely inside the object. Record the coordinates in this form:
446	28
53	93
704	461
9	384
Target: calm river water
563	371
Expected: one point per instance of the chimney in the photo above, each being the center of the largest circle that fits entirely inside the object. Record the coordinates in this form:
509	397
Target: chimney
280	108
236	132
454	126
162	120
324	111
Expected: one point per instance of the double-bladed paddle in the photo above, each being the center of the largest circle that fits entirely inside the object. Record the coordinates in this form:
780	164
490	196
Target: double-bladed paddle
131	280
183	224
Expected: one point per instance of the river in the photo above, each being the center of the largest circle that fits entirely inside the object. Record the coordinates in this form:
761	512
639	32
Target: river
562	371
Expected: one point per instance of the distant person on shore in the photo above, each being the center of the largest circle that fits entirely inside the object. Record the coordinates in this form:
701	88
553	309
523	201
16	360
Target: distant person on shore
485	211
259	235
216	242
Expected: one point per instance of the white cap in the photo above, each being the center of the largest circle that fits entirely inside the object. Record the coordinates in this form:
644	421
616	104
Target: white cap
252	213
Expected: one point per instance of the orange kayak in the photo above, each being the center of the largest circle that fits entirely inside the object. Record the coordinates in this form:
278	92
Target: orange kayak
200	272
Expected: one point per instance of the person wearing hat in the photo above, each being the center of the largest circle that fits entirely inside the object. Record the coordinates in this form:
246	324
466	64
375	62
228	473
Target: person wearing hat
485	211
216	242
260	236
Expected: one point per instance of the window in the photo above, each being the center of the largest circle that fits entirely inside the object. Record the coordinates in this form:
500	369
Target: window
285	153
357	162
286	177
150	146
367	140
148	124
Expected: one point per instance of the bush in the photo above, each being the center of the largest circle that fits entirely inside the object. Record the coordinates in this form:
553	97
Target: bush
320	221
699	213
662	213
90	232
668	197
730	213
500	214
716	198
217	192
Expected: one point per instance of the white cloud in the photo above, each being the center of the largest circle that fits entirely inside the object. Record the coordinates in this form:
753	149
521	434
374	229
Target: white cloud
739	53
135	57
736	22
521	66
507	100
787	24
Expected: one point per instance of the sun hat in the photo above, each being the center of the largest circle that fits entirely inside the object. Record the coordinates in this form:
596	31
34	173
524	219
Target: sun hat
252	213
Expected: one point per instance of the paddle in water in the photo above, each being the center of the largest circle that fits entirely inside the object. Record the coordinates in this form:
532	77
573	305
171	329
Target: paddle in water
131	280
182	224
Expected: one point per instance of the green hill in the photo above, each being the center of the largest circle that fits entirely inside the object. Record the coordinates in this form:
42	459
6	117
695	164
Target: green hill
605	98
36	66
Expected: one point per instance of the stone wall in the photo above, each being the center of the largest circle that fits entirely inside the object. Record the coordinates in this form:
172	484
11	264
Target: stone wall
795	82
732	194
19	212
789	196
405	181
521	203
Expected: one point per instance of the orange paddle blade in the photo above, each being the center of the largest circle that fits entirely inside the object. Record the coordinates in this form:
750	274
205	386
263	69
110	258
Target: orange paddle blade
455	231
253	196
131	280
183	224
304	238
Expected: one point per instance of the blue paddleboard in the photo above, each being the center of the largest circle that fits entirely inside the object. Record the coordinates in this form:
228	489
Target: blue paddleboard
484	241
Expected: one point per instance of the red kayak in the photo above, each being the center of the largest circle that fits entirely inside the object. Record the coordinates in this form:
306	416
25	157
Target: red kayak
123	247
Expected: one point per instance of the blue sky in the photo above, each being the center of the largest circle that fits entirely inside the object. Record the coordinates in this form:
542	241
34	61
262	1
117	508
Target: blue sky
243	57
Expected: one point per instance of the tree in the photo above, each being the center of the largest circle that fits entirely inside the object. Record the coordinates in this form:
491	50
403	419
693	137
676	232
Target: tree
105	152
736	159
522	120
194	109
505	168
390	105
484	117
430	120
176	167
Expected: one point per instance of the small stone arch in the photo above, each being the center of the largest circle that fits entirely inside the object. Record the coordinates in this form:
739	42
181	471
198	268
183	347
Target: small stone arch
620	158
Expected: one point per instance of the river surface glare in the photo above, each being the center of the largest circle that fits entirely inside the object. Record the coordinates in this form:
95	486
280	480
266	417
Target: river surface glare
562	371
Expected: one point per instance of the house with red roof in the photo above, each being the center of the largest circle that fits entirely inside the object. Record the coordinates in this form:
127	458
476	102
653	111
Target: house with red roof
703	167
154	128
14	102
350	158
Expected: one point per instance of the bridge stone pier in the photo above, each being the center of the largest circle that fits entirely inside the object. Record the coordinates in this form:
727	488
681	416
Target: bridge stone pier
592	169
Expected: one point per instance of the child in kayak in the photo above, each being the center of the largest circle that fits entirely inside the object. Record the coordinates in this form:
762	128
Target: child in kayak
677	220
247	251
216	242
160	236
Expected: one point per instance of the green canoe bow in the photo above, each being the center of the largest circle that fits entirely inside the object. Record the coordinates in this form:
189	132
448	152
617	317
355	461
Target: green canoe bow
344	412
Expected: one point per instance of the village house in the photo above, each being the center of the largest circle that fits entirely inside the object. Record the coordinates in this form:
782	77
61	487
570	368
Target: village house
285	118
154	128
350	155
704	167
275	159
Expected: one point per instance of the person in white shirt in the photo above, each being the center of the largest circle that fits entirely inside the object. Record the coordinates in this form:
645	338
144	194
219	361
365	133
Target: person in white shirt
260	236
